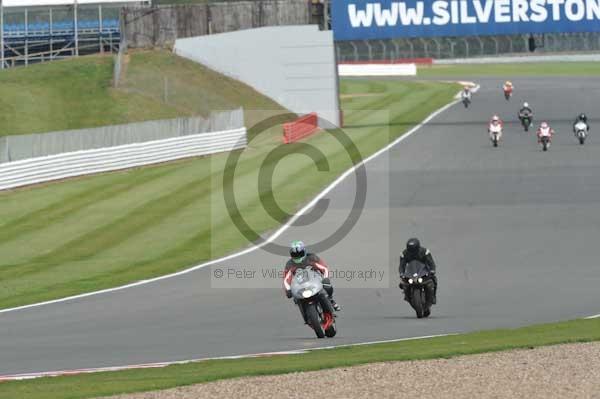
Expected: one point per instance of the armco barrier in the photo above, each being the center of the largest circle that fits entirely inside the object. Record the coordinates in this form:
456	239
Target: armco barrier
54	167
25	146
377	69
300	128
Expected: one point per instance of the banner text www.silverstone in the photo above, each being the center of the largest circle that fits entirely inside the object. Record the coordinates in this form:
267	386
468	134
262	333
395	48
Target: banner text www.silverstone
359	19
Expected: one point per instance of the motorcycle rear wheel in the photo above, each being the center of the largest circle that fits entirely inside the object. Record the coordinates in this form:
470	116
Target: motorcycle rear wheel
331	331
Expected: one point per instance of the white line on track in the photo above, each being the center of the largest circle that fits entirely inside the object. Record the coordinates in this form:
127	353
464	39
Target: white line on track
30	376
270	239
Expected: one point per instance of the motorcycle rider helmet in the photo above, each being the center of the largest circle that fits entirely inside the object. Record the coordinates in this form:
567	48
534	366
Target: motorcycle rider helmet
508	83
582	117
525	105
413	246
495	119
297	251
544	125
466	88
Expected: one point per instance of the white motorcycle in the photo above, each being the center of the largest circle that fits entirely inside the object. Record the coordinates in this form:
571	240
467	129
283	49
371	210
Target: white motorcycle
545	136
313	302
466	99
580	130
495	134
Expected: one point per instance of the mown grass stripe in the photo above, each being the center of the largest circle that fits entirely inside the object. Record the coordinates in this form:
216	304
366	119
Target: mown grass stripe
58	210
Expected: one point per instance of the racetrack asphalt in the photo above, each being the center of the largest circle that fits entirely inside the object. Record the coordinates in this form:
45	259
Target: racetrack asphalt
513	230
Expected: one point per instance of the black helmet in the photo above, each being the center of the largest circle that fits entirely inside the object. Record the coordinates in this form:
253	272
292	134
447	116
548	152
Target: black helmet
413	246
582	117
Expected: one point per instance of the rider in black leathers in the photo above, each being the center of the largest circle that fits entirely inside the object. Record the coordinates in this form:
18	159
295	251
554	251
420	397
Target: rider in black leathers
525	111
414	251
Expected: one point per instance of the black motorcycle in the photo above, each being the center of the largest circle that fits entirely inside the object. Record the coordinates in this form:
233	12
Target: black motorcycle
526	120
545	143
418	287
466	101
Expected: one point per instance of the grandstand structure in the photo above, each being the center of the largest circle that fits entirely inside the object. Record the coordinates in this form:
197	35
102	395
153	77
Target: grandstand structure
42	30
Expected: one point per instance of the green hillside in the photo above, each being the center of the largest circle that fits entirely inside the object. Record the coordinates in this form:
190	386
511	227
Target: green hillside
77	93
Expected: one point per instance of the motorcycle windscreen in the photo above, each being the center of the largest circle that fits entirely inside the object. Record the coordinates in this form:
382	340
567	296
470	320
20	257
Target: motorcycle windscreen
416	267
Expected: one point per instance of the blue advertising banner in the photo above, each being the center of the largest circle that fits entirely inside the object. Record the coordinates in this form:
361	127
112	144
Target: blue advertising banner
386	19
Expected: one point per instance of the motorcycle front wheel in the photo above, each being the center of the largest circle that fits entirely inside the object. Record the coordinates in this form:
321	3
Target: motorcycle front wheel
418	302
312	315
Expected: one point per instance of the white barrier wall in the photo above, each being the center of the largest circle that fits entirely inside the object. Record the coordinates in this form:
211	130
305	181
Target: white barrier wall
24	146
377	69
54	167
293	65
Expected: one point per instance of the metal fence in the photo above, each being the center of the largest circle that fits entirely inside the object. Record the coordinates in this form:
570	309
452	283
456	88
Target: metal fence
160	26
464	47
19	147
38	34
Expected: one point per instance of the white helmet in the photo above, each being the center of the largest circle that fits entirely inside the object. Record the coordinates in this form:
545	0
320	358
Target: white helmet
495	118
525	105
544	125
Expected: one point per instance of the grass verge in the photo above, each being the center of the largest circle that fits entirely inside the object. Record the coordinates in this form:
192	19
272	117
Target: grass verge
92	233
512	70
111	383
77	93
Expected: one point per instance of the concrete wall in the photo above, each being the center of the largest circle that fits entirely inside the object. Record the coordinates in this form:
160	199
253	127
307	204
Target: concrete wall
293	65
161	26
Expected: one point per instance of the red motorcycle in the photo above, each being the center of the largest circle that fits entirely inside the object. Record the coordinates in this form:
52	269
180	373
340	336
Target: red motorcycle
508	90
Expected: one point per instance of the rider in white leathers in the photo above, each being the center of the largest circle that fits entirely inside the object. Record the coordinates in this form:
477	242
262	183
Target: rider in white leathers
466	93
495	126
544	131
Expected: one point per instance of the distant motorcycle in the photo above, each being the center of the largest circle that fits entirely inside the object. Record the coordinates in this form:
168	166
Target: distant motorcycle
544	134
418	287
313	302
545	143
507	92
495	133
581	132
526	120
466	101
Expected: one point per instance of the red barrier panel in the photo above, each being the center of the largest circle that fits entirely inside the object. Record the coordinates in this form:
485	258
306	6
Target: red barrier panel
300	128
418	61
